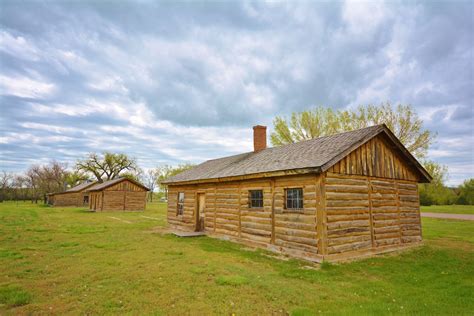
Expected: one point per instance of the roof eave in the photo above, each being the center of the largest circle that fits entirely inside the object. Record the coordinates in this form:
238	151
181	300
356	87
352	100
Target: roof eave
271	174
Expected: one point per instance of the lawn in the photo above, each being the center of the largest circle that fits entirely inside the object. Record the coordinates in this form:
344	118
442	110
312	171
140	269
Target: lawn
59	261
453	209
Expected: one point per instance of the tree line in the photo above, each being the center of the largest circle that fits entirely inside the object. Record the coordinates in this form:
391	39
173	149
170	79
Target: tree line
39	180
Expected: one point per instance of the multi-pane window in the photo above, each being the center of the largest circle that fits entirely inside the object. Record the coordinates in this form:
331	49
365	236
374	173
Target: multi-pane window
294	199
180	208
255	198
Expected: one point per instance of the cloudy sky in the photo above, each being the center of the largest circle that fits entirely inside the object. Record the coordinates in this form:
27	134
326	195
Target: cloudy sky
181	82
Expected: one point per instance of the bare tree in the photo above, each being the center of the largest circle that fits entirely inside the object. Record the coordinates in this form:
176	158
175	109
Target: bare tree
151	181
6	179
46	179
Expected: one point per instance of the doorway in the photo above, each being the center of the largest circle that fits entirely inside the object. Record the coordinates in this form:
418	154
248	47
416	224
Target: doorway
201	204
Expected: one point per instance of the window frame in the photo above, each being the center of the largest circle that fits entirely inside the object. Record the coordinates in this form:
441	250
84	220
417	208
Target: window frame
179	205
250	199
294	209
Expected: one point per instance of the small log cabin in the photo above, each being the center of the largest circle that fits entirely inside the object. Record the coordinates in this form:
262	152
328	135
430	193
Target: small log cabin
332	198
76	196
119	194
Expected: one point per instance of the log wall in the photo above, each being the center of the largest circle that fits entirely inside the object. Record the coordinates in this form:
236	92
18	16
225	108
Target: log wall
227	212
366	213
123	196
68	199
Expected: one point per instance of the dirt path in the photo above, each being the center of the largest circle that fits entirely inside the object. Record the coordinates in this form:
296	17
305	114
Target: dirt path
466	217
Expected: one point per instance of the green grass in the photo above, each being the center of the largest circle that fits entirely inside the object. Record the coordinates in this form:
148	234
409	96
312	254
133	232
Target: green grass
453	209
59	261
12	296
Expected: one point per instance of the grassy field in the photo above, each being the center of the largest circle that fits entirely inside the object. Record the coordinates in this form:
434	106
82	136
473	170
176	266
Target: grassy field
453	209
58	261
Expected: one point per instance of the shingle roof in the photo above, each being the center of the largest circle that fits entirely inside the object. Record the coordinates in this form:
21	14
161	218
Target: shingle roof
318	154
77	188
108	183
80	187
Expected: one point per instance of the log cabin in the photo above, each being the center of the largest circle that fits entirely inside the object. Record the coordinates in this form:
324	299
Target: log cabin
121	194
333	198
76	196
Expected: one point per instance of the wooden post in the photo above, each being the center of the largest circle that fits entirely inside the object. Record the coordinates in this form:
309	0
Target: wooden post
124	199
369	184
215	206
272	183
240	211
398	209
321	218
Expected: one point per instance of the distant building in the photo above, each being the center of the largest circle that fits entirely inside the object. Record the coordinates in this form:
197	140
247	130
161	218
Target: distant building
76	196
119	194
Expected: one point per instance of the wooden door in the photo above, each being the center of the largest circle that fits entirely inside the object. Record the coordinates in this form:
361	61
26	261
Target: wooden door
201	204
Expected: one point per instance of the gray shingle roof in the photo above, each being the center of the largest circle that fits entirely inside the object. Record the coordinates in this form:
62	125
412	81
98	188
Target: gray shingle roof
108	183
316	153
80	187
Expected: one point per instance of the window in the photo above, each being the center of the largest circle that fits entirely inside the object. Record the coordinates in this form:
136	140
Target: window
294	199
180	208
255	198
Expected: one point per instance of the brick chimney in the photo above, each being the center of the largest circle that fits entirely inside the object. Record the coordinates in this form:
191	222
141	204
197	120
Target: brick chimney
259	138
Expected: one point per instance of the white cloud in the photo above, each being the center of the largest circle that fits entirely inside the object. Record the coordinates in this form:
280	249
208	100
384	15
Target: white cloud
18	46
25	87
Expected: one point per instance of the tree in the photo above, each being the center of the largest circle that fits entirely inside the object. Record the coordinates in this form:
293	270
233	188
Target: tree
436	192
167	171
46	179
136	174
106	166
151	181
402	121
6	179
466	192
75	178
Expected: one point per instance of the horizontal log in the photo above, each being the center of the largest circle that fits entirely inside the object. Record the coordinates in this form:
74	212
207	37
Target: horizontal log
292	245
337	225
295	232
383	223
386	229
347	188
337	218
254	237
333	203
410	239
346	196
385	242
391	235
256	232
349	247
349	231
296	239
296	225
348	240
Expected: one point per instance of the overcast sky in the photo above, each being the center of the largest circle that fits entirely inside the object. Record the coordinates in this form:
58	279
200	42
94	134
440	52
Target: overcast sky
185	82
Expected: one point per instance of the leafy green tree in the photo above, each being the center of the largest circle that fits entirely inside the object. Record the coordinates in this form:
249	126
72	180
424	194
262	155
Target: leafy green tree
75	177
436	192
320	121
107	166
167	171
466	192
